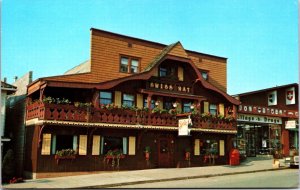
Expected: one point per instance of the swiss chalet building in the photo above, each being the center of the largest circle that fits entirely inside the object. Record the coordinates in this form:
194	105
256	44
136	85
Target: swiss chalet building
131	97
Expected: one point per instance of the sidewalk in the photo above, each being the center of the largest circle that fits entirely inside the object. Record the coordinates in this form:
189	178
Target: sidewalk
103	180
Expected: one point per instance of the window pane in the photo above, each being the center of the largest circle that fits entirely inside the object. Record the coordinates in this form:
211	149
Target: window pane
128	99
162	72
112	143
105	98
134	66
64	142
152	105
213	109
209	147
186	107
204	75
124	64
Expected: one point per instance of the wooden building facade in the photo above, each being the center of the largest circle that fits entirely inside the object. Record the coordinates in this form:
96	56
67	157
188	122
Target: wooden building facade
268	121
141	105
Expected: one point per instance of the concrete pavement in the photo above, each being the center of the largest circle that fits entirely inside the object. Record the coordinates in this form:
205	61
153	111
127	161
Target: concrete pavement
110	179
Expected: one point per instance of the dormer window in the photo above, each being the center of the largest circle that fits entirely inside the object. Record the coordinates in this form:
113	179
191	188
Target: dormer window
204	75
167	72
129	64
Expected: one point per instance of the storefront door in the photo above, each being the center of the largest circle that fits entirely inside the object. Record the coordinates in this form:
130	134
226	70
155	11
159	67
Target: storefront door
165	153
250	144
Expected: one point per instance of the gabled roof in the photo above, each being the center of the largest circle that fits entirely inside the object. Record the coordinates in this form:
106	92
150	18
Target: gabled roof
267	89
8	87
163	53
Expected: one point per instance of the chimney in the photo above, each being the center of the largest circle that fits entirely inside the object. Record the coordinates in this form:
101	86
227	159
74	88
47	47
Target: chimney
16	78
5	79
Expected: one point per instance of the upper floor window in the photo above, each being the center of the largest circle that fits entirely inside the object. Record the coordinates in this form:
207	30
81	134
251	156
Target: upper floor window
167	71
186	107
204	75
128	100
213	109
105	98
129	64
152	104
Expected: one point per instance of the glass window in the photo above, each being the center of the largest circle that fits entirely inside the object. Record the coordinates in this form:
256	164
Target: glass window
209	147
64	142
168	105
124	64
204	75
213	109
105	98
128	100
112	143
162	72
134	66
152	103
186	107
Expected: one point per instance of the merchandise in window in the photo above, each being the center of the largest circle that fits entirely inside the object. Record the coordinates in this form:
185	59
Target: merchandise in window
209	147
115	144
128	100
105	98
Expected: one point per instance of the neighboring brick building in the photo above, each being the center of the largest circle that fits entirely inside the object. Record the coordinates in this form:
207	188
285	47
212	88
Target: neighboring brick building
137	95
268	120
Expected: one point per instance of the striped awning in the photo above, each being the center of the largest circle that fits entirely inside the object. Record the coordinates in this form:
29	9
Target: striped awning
123	126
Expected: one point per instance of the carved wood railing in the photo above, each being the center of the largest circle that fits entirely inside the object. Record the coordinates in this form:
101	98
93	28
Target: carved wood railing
117	116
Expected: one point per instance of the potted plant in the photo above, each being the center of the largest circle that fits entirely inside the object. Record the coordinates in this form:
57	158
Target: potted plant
147	152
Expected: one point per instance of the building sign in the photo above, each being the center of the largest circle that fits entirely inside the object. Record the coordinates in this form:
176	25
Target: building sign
170	87
183	127
291	124
290	97
260	110
259	119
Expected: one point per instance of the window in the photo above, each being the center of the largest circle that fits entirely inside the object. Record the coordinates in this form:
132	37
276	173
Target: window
213	109
208	147
162	72
186	107
105	98
64	142
129	64
128	100
152	105
124	65
114	143
167	72
134	66
168	105
204	75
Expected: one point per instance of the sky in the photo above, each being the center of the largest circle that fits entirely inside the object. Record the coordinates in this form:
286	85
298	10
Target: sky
259	37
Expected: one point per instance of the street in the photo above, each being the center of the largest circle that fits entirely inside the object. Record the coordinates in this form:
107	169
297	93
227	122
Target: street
288	178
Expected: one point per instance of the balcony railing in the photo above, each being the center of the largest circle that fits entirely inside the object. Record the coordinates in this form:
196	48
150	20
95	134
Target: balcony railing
60	112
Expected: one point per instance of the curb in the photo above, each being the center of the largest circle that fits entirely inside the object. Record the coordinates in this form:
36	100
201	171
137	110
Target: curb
174	179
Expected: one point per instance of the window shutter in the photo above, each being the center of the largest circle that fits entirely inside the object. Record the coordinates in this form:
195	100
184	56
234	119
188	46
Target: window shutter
180	73
124	145
206	110
221	109
102	145
75	145
222	148
54	144
131	150
96	145
46	144
82	144
197	147
139	101
118	99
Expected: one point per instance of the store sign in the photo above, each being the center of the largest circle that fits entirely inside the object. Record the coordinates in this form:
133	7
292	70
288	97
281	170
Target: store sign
170	87
183	127
291	124
259	119
290	96
260	110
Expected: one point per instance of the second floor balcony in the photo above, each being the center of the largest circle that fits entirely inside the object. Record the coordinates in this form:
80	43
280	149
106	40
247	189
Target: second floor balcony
129	116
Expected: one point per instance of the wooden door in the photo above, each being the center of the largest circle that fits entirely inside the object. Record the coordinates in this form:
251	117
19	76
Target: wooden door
165	152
